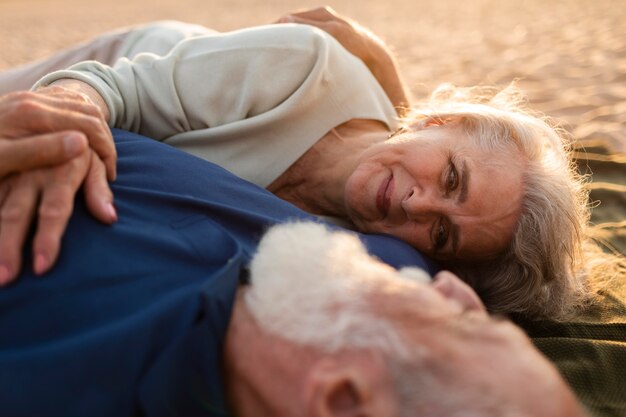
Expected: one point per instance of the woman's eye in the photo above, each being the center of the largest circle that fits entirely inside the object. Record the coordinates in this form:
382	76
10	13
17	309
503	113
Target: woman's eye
441	236
453	178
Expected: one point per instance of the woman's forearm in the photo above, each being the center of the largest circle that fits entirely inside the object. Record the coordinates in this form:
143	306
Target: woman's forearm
384	67
363	44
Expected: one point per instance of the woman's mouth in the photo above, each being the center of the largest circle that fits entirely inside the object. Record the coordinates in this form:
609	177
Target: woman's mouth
383	196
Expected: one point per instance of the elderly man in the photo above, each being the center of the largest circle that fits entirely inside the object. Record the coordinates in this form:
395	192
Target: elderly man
152	316
362	339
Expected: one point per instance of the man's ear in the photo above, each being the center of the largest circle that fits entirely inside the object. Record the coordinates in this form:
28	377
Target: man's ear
339	390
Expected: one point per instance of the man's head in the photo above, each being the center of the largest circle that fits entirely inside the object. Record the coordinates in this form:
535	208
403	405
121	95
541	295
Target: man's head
326	330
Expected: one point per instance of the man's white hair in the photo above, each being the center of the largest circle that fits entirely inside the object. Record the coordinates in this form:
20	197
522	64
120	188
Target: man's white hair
320	288
304	275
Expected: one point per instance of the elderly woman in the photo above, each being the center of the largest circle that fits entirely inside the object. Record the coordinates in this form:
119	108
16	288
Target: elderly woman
475	182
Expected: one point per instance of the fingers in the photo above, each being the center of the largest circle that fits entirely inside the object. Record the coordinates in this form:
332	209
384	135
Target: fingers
54	109
352	36
55	209
48	193
15	216
98	194
39	151
332	27
320	13
101	140
57	201
302	20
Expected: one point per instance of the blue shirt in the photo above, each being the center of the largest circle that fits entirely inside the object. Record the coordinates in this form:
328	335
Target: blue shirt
131	320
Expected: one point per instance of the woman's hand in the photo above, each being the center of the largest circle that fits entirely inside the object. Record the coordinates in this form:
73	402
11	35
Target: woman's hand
360	42
355	38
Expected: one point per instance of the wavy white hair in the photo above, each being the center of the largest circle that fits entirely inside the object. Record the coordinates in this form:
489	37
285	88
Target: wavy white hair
319	288
304	275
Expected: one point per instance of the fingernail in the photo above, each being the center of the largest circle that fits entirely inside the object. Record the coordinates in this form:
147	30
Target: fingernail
41	263
5	275
112	212
73	144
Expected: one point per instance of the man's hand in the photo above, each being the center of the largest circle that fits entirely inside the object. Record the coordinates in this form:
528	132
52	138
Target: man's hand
47	196
53	110
44	159
39	150
361	43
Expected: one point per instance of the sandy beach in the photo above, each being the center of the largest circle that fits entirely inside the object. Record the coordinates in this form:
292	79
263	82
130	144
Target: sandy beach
569	56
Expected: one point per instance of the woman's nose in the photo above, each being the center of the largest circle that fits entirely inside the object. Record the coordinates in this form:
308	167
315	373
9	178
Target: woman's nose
420	204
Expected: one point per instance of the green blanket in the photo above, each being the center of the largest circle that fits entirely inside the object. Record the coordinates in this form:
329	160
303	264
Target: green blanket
590	351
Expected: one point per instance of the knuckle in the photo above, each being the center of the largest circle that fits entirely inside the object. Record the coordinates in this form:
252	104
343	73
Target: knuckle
24	105
18	95
93	110
67	174
53	89
54	210
92	122
12	213
89	107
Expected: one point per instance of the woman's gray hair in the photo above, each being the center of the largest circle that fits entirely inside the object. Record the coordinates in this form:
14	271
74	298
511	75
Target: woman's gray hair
544	270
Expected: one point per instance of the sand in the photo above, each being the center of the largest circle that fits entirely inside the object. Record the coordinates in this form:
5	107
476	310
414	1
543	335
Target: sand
568	55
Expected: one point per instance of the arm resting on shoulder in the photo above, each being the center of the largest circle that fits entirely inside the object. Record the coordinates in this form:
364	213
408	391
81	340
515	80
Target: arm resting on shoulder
214	80
364	44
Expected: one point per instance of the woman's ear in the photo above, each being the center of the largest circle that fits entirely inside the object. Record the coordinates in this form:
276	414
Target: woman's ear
339	388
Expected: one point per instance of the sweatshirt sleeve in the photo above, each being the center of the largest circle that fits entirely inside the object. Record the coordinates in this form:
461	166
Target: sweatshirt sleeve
204	82
251	100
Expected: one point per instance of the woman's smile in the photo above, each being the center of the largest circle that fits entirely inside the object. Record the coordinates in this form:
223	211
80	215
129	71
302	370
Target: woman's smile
383	197
437	190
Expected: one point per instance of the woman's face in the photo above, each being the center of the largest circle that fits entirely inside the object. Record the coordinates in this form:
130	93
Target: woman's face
439	192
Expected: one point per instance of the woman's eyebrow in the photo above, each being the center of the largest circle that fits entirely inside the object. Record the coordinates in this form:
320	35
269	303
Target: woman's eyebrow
461	198
465	177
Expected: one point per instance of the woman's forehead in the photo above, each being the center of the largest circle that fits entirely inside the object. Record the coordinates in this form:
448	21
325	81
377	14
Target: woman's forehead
486	221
